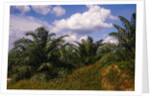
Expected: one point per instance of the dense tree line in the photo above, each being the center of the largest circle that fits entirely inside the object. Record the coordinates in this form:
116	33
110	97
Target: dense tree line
41	54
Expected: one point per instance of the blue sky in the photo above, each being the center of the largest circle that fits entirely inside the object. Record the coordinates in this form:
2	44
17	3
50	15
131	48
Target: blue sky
78	21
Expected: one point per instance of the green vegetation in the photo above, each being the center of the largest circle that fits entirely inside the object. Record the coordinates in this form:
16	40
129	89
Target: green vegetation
46	62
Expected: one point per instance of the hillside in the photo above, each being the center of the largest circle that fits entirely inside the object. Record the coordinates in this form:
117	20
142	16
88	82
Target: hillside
92	77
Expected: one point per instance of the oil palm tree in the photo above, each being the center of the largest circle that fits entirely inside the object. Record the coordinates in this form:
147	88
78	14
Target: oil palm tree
40	52
87	51
126	33
123	53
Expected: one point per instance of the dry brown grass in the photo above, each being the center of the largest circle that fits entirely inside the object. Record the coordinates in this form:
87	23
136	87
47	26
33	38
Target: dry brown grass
92	77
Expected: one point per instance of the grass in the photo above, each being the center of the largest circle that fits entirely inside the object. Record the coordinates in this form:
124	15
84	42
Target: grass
92	77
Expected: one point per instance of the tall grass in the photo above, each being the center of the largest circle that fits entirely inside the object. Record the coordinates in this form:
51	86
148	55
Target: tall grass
92	77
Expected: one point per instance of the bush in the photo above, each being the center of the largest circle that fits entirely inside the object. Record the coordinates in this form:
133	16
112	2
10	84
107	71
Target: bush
92	77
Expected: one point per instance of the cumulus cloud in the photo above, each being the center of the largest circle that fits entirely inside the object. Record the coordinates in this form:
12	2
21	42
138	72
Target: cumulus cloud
20	24
113	17
90	21
23	9
41	9
58	11
71	38
111	40
76	26
83	38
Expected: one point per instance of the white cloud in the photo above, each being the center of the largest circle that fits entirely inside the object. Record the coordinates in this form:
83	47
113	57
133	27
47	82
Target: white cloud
58	11
111	40
23	9
113	17
20	24
71	37
83	38
41	9
87	22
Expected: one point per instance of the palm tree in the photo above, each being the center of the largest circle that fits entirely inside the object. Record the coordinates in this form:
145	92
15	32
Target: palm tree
126	34
41	52
123	53
87	51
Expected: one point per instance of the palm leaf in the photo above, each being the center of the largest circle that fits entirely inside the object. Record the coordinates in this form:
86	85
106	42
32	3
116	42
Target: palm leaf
126	24
45	65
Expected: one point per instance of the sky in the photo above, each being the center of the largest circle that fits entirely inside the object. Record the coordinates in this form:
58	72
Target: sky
77	21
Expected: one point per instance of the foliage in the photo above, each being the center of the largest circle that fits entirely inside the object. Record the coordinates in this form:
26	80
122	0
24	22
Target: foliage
87	51
92	77
48	62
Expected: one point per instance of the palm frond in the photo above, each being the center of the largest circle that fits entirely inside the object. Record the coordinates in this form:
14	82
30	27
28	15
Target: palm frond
22	41
33	35
45	65
126	24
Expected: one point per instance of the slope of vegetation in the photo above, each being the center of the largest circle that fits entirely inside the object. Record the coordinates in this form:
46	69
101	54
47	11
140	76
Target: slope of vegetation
92	77
47	62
